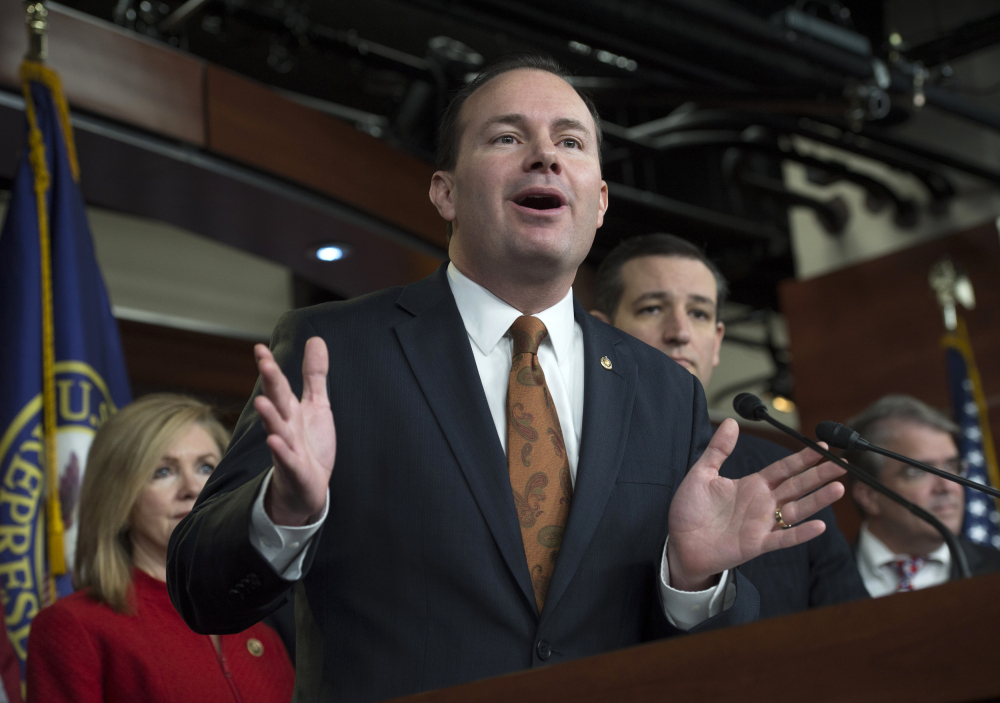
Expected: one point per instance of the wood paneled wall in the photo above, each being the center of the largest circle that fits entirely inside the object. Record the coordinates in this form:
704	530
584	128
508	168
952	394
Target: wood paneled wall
123	76
250	123
219	370
111	72
875	328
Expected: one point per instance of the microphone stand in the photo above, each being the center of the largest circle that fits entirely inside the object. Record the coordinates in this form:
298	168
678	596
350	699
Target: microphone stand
836	435
931	470
960	565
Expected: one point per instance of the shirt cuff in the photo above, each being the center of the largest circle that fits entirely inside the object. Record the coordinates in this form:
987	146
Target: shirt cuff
284	548
686	609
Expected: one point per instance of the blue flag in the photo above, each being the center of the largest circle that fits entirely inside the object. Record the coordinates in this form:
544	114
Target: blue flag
975	443
62	372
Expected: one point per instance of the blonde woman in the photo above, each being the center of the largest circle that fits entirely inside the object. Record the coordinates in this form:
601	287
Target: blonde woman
118	638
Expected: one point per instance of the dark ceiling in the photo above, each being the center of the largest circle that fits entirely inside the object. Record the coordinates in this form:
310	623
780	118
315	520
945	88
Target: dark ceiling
698	96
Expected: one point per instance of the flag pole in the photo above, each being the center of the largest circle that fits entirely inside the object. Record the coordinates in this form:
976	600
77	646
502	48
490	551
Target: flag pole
36	19
953	289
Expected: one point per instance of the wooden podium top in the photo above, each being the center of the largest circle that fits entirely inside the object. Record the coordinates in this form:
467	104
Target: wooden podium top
939	644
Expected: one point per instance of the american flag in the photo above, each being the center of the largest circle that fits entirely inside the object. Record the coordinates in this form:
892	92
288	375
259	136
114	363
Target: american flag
975	444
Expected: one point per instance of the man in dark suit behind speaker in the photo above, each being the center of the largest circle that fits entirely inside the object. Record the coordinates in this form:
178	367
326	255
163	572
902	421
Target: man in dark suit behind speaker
896	550
505	469
665	291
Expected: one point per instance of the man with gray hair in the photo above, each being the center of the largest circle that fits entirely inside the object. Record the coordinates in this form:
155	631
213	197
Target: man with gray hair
896	550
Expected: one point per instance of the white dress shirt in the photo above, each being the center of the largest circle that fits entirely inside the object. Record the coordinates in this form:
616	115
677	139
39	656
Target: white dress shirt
487	321
876	563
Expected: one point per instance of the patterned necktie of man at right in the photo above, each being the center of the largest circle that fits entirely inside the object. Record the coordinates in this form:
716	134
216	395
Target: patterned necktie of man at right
906	569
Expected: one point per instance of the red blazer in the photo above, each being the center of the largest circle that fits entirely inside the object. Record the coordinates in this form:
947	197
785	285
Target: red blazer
82	651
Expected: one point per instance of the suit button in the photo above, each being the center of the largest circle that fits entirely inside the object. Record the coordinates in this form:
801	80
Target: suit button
543	649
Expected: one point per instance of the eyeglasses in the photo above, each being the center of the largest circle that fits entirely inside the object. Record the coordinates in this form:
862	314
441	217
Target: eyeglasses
955	467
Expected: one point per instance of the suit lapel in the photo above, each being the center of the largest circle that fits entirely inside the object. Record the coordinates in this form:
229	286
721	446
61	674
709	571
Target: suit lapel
607	410
437	347
971	556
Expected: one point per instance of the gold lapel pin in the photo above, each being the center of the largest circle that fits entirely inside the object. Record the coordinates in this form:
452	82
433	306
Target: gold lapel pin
606	362
255	646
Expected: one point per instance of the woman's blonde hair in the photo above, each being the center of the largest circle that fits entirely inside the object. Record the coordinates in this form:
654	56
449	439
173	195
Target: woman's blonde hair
122	458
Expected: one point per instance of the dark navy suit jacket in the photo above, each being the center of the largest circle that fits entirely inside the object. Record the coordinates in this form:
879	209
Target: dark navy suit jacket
418	579
820	572
982	558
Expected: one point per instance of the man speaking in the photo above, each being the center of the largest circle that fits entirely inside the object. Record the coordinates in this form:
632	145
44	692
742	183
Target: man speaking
505	470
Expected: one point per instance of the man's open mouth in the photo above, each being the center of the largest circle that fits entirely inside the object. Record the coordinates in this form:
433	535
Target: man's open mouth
539	198
539	202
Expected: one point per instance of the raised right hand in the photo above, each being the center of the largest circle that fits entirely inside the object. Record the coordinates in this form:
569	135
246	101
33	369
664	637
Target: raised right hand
716	523
300	435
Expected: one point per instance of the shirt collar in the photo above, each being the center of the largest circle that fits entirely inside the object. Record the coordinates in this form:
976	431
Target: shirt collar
873	551
487	318
941	554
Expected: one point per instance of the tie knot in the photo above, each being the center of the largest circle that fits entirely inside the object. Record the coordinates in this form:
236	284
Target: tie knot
908	566
527	333
907	569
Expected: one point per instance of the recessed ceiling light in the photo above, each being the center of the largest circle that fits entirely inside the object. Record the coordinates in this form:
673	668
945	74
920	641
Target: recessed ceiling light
331	252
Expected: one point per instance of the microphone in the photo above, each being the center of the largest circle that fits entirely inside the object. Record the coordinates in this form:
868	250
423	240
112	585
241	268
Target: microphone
750	407
840	436
843	437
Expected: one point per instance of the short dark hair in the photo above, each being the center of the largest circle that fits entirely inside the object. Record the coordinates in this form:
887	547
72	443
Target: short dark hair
611	287
874	423
450	130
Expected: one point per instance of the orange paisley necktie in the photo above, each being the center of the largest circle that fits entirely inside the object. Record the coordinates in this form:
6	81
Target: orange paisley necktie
536	456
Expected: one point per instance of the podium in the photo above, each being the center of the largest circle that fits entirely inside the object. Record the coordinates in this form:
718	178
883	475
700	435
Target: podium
938	644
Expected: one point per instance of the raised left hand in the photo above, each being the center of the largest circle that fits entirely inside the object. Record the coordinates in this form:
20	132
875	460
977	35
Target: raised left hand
300	434
718	523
